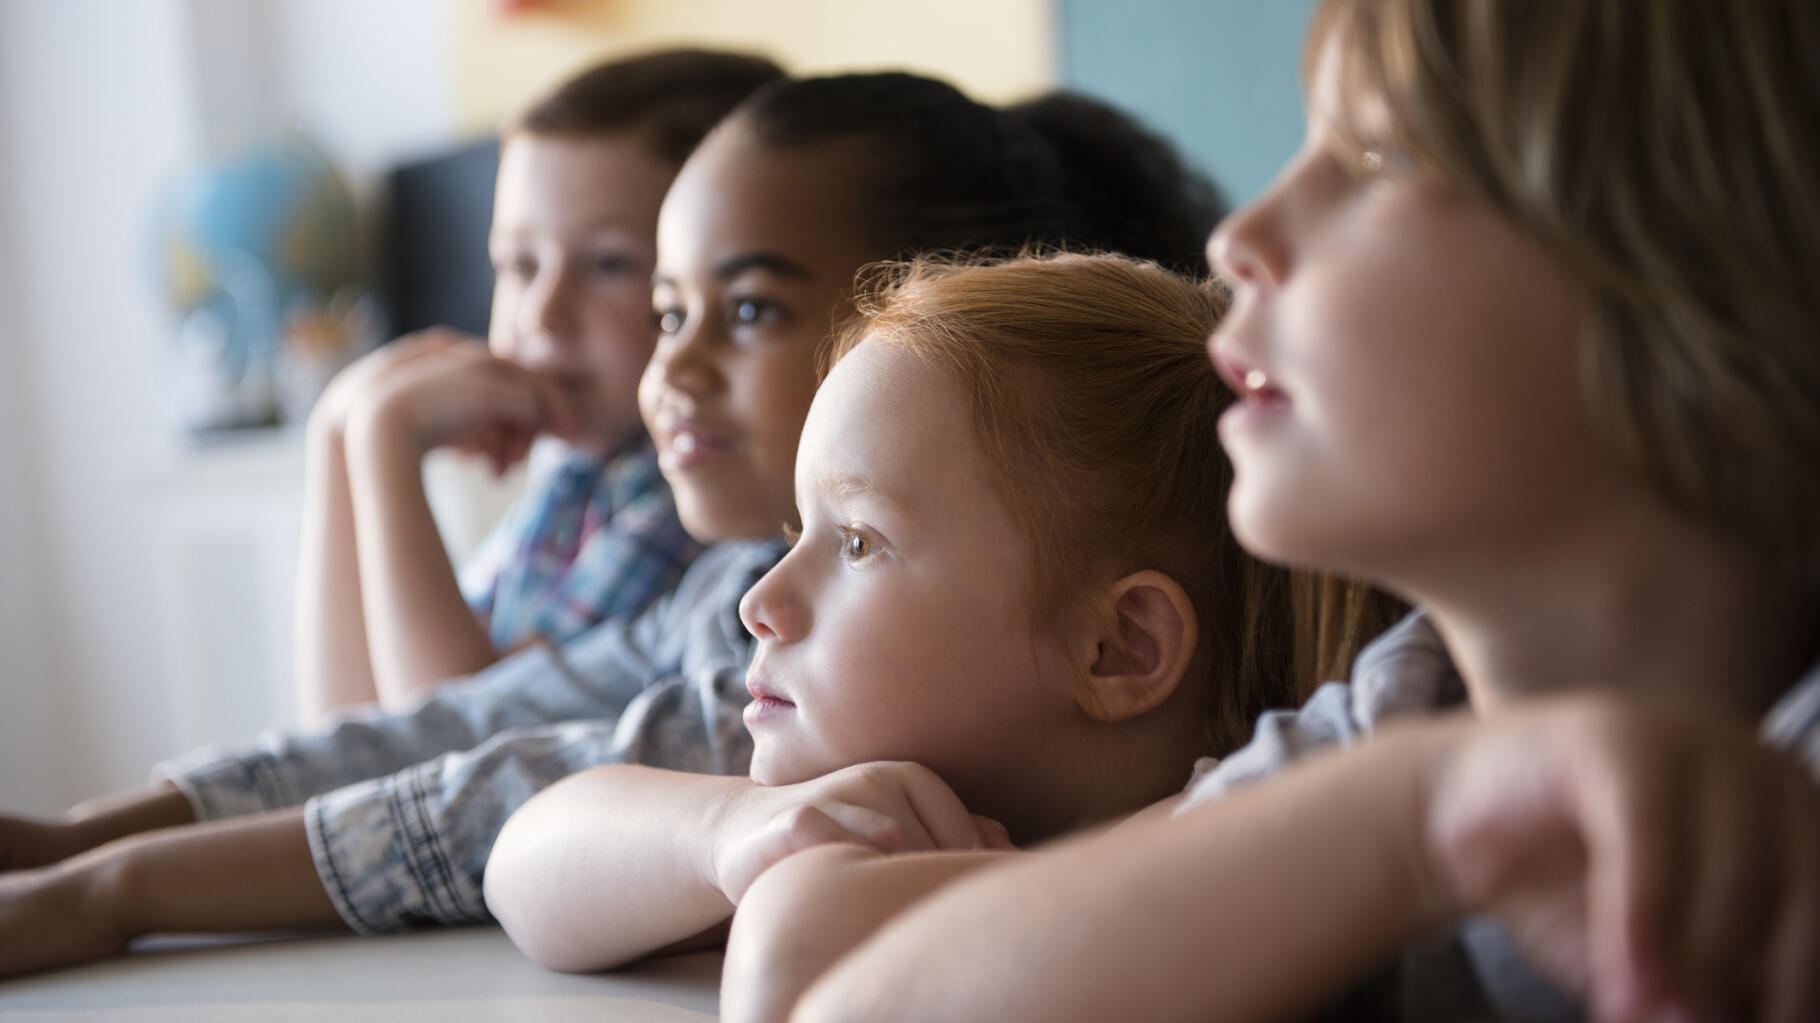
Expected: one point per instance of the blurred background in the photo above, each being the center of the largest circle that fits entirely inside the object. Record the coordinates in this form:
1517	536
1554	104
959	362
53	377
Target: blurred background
206	204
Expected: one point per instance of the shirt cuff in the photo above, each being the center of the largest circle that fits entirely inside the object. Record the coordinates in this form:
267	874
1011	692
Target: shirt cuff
381	860
218	784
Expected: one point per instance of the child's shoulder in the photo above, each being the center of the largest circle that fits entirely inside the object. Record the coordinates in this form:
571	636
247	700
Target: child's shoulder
1407	670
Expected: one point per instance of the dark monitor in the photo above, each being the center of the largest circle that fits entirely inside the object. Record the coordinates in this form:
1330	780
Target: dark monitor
434	268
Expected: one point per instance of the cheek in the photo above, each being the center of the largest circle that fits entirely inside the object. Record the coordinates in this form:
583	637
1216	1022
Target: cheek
650	386
501	333
782	387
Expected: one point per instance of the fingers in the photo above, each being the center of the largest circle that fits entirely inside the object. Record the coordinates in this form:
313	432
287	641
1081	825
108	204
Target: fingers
1730	828
1790	974
943	816
993	834
1636	863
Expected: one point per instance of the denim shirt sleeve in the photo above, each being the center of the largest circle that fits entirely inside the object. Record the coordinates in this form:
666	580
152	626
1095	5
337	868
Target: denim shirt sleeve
411	848
533	687
402	809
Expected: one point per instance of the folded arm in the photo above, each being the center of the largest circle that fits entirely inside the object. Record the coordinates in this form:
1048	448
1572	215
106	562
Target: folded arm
1260	906
803	915
623	861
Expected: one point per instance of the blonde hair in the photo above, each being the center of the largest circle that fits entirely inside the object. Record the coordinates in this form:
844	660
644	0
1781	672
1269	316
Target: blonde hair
1095	402
1667	156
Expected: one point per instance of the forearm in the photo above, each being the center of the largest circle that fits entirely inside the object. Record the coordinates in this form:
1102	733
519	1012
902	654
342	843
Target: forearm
252	873
334	668
803	915
419	629
1261	906
99	821
609	866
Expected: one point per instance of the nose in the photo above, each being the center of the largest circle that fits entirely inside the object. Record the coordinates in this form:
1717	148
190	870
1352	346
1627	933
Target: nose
546	313
685	361
772	609
1249	246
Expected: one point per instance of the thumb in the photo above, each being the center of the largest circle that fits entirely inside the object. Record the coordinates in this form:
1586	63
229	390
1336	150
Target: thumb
993	835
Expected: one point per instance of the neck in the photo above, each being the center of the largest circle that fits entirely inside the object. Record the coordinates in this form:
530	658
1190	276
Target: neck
1652	605
1088	773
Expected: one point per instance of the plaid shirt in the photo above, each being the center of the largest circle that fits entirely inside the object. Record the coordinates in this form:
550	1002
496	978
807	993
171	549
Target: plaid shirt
592	539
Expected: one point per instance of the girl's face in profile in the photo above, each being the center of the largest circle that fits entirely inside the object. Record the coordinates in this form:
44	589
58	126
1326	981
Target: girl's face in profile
757	247
1406	360
899	625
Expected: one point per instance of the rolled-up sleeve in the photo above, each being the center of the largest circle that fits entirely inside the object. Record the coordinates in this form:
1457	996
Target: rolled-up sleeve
411	848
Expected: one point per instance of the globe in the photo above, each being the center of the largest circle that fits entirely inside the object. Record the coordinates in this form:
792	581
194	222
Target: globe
243	242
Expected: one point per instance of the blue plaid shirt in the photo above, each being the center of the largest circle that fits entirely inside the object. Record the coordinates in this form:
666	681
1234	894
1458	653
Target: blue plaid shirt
594	538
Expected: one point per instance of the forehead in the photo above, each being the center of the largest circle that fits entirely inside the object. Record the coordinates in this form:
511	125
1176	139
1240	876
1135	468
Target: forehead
579	178
736	195
1343	97
886	415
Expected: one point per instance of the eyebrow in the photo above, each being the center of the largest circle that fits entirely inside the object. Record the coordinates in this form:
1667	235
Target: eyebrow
770	262
857	484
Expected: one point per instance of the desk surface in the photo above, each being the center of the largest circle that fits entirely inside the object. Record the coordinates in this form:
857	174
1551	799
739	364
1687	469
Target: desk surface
449	976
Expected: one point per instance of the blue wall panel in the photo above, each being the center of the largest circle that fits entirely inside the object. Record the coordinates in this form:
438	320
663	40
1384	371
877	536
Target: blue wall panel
1220	77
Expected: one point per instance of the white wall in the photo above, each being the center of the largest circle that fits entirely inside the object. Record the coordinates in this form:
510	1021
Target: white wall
99	101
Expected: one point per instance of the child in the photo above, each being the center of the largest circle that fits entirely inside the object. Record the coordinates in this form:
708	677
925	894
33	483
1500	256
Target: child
384	820
1006	574
381	616
1527	331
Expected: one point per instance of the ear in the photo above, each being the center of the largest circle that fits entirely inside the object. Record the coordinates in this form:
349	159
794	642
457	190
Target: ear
1143	648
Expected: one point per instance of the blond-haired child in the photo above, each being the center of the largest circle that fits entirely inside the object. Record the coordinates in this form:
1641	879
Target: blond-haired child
1527	332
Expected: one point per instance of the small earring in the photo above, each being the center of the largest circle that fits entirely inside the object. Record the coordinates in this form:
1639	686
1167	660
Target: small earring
1255	380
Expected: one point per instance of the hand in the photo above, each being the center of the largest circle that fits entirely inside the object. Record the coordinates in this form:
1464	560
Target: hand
887	806
1651	862
26	843
329	416
463	397
56	916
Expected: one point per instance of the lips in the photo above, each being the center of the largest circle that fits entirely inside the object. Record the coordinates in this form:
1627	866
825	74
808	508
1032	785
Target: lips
767	701
1250	383
685	443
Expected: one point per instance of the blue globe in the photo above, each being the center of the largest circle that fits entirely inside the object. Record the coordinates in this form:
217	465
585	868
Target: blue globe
243	241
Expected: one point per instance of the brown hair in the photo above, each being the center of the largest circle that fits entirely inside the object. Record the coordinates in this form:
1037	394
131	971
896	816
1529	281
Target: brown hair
1094	400
668	98
1664	154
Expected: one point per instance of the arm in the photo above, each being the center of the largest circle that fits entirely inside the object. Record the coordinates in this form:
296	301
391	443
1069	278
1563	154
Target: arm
26	843
609	865
1259	906
249	874
622	861
801	916
333	666
418	627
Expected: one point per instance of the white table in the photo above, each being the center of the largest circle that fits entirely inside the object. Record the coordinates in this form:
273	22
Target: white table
448	976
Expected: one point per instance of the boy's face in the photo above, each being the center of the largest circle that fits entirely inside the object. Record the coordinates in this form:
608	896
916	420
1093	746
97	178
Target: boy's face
757	248
899	625
574	224
1407	363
